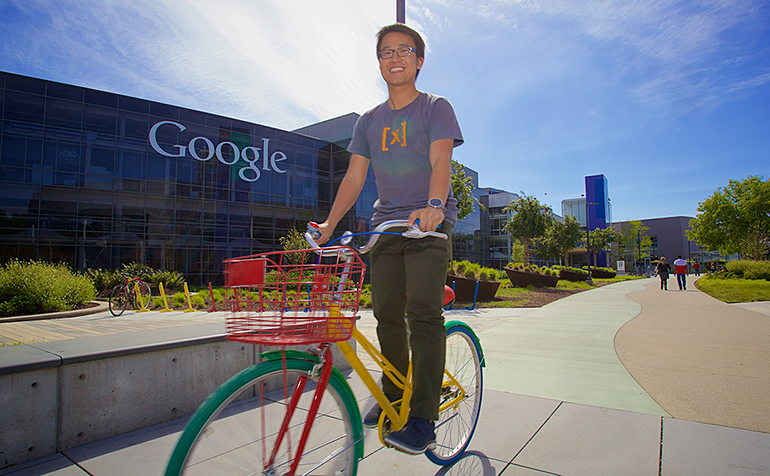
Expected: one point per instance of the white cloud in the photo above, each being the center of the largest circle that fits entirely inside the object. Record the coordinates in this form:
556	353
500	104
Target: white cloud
284	64
659	52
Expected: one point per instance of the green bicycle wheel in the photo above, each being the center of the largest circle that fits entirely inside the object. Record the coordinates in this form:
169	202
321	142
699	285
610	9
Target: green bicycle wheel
234	431
456	424
118	300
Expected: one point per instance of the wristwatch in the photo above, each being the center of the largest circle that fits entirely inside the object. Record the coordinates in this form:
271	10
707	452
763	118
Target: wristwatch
437	203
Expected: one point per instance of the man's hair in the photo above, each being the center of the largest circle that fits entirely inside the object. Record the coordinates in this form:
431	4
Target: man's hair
419	45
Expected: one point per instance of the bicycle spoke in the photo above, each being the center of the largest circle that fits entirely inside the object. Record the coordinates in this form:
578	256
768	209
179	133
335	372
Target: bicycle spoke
240	432
461	397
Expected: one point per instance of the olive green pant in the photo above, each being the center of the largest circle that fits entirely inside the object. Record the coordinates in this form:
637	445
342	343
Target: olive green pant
408	277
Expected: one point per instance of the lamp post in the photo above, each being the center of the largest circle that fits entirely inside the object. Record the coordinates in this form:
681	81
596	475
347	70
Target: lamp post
588	244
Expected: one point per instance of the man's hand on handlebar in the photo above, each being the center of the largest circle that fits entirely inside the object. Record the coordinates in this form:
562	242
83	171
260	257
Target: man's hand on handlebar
429	218
326	231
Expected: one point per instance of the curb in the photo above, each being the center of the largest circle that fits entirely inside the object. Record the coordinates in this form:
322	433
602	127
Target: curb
102	306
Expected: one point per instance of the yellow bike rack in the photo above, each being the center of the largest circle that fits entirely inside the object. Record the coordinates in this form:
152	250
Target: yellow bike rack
165	301
189	301
138	298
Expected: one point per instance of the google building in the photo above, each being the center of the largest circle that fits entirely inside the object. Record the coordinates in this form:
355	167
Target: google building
96	180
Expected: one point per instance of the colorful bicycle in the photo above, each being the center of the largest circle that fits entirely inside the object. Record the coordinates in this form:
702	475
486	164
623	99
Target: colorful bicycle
132	291
294	412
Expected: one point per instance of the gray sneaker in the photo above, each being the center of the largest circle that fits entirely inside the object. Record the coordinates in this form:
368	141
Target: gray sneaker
372	418
416	437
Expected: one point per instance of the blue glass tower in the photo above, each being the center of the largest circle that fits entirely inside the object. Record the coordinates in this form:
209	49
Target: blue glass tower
599	215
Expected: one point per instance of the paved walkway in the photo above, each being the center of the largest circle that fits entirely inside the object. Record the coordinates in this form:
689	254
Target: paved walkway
699	358
558	398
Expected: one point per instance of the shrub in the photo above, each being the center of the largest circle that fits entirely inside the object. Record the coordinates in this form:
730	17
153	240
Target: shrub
170	279
749	269
472	270
460	267
36	287
599	268
178	300
488	274
104	281
365	300
469	270
569	268
198	301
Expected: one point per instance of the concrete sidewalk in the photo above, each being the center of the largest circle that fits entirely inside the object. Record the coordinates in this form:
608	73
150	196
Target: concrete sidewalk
558	398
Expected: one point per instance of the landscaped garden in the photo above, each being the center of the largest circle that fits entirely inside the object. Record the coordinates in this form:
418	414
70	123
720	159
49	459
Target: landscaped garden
739	281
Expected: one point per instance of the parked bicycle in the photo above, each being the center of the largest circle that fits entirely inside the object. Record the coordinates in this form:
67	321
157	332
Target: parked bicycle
294	412
132	291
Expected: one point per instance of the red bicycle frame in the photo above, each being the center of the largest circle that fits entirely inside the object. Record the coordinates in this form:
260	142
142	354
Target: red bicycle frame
326	372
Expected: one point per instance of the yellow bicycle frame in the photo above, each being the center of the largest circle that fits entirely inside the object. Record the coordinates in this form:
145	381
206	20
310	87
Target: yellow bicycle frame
397	418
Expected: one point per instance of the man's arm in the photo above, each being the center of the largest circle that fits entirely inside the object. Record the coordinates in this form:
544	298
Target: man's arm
441	165
347	195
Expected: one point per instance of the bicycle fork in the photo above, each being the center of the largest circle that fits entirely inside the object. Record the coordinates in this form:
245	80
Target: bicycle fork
326	365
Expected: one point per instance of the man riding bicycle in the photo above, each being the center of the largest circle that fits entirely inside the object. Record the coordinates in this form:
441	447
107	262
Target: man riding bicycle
409	141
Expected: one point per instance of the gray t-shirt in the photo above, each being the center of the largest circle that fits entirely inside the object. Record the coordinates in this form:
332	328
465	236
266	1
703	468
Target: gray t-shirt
398	145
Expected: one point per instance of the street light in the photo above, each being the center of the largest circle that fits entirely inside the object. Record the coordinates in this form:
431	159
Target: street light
588	243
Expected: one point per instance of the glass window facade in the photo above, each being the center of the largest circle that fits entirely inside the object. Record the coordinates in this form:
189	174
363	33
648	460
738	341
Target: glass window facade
469	242
97	180
493	219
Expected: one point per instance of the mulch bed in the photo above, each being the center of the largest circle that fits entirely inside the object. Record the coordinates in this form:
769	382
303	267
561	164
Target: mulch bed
87	305
534	298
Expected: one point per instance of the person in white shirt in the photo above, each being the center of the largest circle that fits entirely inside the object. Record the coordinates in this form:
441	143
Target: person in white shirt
680	266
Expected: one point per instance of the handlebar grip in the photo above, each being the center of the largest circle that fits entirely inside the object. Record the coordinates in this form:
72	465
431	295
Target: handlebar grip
312	228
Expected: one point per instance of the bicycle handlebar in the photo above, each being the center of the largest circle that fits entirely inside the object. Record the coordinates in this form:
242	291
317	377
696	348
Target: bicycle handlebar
381	229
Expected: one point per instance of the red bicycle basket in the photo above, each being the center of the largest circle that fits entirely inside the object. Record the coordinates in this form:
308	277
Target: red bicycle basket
293	297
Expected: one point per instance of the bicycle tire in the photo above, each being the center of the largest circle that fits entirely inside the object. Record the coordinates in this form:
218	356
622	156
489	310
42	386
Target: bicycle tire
231	431
456	424
145	294
118	300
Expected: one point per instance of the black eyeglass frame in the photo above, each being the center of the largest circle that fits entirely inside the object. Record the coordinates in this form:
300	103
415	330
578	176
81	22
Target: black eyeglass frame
406	50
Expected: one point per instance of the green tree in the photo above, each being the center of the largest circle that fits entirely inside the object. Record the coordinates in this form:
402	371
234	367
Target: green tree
603	238
517	252
462	189
735	219
634	244
559	238
529	220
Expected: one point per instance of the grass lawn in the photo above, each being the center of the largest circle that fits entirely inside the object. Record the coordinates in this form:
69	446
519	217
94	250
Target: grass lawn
735	290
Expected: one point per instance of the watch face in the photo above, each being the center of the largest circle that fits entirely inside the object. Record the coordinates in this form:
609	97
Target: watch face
436	203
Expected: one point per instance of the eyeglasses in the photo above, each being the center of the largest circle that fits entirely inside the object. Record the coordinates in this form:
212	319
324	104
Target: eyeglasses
401	52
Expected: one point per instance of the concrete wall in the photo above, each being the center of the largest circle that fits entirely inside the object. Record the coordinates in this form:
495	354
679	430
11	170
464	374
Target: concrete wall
51	401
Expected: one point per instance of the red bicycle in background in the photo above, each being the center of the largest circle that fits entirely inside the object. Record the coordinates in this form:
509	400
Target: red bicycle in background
133	291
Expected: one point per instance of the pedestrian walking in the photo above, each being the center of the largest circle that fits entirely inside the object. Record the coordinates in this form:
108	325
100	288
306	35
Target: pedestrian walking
681	272
696	268
662	270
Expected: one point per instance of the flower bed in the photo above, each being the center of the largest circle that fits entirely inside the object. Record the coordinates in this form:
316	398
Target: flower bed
523	277
602	273
571	274
464	275
465	288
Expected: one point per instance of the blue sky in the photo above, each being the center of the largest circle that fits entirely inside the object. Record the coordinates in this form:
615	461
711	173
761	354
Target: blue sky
668	99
